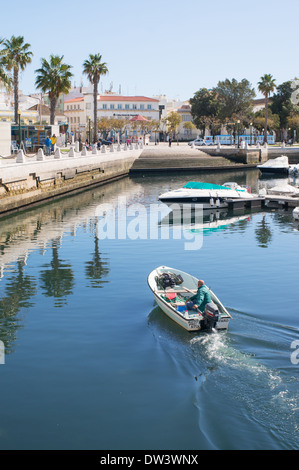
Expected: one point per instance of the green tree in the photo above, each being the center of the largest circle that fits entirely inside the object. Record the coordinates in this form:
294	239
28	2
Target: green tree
105	125
282	106
293	124
266	86
234	98
173	121
15	56
94	68
204	108
259	120
54	78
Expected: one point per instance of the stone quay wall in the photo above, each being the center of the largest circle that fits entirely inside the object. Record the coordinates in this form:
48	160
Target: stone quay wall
26	181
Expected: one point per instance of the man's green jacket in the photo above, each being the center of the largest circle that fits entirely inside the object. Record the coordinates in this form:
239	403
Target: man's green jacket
202	297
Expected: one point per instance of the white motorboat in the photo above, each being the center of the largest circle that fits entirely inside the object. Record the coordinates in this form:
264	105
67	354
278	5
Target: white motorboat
171	299
296	213
278	165
283	189
211	196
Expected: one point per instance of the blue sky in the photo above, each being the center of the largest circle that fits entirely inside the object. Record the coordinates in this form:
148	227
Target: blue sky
161	46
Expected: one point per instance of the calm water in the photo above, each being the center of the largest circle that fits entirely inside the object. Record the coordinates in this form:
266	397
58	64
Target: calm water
92	363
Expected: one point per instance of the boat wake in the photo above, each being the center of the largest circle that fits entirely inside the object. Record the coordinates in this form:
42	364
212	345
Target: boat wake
270	403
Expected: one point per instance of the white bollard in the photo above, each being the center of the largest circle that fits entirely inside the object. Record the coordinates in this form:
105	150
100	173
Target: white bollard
20	157
84	152
71	152
103	149
40	155
94	150
125	147
57	153
111	148
77	146
118	148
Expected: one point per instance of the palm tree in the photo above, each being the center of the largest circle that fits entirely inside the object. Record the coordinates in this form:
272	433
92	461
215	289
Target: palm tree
5	79
266	86
94	68
54	78
16	55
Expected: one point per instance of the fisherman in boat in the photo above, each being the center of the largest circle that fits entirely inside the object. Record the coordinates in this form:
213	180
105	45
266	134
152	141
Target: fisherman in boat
200	299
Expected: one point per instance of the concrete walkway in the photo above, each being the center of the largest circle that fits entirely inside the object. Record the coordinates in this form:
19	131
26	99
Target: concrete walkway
161	157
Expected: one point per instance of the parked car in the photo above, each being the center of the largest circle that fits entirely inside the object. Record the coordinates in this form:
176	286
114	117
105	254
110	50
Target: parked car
201	142
105	142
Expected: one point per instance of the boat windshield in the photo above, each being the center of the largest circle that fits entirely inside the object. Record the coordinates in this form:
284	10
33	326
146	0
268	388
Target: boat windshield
199	185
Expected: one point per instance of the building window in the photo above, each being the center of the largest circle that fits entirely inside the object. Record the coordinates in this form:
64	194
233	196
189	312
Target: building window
119	106
142	106
134	106
104	106
112	106
149	106
127	106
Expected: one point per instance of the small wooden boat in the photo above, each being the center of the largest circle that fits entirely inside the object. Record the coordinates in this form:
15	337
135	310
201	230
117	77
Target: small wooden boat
172	300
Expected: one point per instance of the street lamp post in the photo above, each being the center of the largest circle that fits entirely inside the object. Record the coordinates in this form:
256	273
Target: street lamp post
250	133
20	136
89	130
238	134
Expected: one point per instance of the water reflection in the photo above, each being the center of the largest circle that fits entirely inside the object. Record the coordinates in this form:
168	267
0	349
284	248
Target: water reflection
263	233
57	280
96	269
208	221
19	290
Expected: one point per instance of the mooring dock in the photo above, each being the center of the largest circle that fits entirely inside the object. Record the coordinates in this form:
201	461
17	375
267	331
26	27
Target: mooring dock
268	201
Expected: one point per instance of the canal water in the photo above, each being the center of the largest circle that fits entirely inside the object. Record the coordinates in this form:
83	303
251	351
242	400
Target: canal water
91	362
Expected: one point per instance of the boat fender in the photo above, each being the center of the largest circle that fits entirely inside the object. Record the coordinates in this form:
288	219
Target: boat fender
211	202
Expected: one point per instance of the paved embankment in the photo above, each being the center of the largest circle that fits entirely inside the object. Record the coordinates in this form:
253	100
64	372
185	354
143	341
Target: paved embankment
182	157
27	181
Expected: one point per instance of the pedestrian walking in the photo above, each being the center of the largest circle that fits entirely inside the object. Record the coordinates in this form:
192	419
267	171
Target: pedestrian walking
53	142
48	146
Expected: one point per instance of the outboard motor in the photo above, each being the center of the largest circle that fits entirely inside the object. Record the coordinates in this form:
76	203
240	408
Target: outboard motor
210	316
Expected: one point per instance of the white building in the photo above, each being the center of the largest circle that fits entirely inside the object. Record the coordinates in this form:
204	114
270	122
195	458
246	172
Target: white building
79	110
75	112
127	107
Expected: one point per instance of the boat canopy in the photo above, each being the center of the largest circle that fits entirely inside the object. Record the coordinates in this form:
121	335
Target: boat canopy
198	185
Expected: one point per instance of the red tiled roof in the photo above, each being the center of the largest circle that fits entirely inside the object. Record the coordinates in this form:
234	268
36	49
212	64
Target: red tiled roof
126	98
75	100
